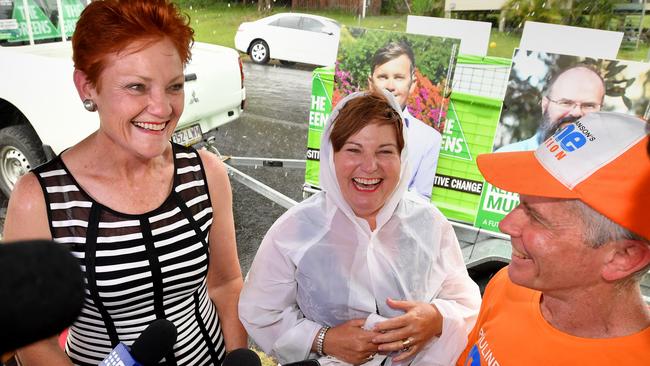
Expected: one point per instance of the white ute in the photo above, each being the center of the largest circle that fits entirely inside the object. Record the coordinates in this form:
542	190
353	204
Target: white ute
40	110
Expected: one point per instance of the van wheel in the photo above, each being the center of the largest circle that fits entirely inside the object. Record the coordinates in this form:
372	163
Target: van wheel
259	52
20	152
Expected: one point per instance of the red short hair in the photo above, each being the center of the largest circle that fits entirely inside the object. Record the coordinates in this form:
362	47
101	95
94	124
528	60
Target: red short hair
110	26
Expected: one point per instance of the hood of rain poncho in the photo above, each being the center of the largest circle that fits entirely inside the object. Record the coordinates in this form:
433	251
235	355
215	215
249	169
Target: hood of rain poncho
330	184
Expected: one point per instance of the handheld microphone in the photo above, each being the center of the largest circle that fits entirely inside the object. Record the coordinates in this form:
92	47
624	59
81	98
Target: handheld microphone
242	357
151	346
310	362
42	291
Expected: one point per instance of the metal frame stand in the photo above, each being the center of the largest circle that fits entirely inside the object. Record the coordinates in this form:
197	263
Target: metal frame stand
254	184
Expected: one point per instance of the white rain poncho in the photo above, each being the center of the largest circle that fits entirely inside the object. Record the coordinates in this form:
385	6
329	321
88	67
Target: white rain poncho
319	264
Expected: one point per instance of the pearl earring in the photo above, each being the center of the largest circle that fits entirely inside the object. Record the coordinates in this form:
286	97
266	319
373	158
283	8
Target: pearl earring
89	105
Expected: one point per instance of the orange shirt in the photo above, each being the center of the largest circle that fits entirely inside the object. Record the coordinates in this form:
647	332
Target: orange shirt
510	330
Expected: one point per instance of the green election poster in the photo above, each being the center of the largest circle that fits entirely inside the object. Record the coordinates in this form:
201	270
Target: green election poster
43	17
454	143
495	205
42	27
71	11
321	106
469	130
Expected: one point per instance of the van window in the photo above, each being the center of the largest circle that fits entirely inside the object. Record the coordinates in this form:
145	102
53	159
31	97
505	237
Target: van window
44	17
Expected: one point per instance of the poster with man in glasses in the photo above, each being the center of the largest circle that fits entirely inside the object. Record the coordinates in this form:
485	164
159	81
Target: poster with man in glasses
547	91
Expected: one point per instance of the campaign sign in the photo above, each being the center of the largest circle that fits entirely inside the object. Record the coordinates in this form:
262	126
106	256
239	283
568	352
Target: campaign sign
478	87
546	92
319	111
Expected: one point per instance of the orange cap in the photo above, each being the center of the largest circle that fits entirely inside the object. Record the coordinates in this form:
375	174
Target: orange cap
600	159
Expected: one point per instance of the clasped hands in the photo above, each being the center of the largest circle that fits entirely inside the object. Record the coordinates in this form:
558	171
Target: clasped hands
408	333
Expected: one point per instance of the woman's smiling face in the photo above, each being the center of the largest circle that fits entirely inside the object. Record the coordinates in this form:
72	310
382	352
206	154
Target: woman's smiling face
367	169
140	97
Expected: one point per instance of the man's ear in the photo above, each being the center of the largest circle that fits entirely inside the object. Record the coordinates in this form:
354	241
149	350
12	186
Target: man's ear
371	86
545	102
626	257
414	83
85	88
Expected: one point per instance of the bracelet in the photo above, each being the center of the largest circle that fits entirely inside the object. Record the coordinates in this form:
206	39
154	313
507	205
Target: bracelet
320	339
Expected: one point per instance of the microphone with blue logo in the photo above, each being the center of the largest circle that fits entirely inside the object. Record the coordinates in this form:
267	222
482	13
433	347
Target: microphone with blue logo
151	346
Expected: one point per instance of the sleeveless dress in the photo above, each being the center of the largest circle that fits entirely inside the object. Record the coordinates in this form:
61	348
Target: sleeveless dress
138	268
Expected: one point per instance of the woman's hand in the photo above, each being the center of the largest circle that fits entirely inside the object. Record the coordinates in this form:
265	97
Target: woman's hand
410	332
349	342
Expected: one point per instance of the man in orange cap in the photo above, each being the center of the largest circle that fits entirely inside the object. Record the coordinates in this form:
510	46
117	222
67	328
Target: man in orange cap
580	245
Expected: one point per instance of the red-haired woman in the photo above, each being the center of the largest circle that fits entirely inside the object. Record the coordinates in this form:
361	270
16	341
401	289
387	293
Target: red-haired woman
150	221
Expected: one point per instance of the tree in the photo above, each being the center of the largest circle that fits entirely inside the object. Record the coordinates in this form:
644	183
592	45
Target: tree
590	13
518	11
264	6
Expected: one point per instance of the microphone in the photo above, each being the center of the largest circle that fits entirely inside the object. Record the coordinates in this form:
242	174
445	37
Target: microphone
151	346
310	362
41	286
242	357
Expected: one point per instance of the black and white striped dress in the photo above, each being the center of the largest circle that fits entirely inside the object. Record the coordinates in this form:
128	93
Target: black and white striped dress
139	268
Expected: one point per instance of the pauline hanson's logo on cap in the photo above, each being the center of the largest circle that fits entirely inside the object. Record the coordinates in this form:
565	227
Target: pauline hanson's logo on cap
579	149
568	139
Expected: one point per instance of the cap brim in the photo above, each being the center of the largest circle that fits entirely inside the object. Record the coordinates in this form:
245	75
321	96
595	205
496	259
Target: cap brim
520	172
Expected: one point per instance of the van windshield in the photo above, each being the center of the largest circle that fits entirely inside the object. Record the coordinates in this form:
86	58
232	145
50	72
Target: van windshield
41	19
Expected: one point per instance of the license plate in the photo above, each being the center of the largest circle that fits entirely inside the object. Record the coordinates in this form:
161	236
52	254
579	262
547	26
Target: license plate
188	136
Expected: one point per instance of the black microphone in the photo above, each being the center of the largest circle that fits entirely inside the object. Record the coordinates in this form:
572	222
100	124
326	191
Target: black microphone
310	362
41	288
148	349
242	357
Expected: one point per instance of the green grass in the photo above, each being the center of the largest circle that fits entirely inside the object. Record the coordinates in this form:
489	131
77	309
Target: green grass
218	24
502	44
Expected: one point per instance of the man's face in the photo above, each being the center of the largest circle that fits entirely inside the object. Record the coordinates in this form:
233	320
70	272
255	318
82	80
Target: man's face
575	93
549	252
394	76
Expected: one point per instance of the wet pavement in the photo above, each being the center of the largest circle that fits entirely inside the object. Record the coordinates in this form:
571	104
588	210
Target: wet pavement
273	125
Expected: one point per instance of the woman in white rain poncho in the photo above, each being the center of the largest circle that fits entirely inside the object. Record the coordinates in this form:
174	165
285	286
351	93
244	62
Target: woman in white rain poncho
361	250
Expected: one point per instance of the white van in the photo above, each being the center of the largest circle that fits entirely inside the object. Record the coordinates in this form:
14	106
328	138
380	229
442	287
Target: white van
40	111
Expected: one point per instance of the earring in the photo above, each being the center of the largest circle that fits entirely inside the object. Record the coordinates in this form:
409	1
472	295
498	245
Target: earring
89	105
